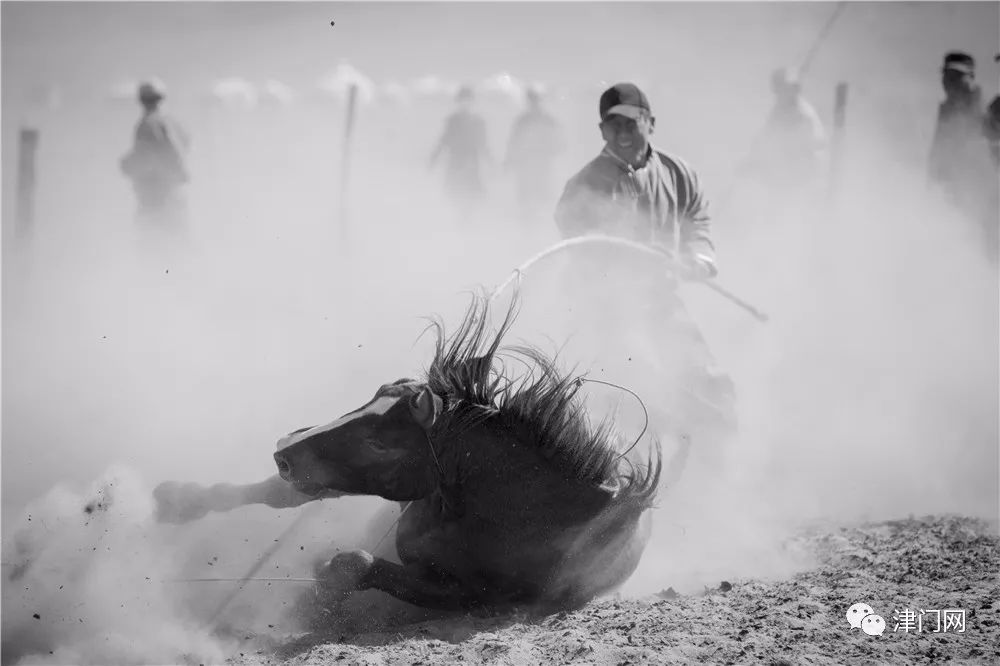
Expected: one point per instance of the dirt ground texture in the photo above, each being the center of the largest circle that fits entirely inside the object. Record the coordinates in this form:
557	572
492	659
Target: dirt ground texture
928	563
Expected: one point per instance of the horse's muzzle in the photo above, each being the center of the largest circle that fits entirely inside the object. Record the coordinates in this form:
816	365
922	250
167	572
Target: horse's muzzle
284	465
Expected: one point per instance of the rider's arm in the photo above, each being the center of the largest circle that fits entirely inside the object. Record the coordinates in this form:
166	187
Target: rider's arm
693	220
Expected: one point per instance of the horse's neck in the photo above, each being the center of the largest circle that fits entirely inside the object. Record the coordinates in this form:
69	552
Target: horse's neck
497	477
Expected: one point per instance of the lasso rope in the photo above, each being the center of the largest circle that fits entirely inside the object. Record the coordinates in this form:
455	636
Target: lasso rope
645	412
241	580
660	253
261	561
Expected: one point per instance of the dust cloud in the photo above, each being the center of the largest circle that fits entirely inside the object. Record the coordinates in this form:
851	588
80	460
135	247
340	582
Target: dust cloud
134	355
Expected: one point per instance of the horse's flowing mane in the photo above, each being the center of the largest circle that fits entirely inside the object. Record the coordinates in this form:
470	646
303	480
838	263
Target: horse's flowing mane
543	407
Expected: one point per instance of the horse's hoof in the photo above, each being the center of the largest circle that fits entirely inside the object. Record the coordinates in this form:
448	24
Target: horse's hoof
346	571
177	502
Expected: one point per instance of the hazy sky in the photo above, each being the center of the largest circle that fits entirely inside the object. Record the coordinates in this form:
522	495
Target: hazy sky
80	43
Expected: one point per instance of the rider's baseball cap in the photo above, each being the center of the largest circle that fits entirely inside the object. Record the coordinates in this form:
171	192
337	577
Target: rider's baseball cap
624	99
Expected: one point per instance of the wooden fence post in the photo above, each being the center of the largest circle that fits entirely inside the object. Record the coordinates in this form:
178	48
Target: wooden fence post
345	167
26	151
837	140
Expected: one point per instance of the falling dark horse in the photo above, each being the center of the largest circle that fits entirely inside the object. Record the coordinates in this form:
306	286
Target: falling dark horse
514	499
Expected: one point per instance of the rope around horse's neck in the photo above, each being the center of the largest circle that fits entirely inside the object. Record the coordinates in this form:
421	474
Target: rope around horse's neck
437	464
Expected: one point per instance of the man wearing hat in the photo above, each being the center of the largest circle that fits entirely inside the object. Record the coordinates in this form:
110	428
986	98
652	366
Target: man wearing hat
959	157
634	191
156	163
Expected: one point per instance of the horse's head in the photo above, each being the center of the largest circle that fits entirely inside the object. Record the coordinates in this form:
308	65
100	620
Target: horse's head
381	448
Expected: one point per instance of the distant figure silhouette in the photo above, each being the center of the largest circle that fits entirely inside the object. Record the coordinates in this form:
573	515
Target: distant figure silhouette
464	147
790	151
155	164
959	161
991	125
536	142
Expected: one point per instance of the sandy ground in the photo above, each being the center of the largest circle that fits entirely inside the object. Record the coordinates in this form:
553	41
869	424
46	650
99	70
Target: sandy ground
921	564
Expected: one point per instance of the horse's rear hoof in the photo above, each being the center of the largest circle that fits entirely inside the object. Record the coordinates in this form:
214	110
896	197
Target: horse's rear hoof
178	502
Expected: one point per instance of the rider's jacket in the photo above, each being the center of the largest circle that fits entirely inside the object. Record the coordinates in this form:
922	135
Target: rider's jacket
660	202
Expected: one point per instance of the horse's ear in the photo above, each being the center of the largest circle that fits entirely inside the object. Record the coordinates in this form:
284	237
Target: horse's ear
426	406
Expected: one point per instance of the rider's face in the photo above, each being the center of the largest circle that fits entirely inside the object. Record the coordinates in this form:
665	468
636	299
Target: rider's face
625	137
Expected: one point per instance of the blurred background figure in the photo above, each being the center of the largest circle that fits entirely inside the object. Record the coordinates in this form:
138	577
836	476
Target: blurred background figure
536	143
466	153
789	155
959	161
156	164
991	125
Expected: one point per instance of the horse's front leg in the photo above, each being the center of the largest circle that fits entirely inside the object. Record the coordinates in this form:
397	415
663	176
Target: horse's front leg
183	502
413	583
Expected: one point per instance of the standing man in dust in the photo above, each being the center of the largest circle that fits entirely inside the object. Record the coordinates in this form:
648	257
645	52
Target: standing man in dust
991	125
536	143
960	164
155	164
789	156
633	191
464	146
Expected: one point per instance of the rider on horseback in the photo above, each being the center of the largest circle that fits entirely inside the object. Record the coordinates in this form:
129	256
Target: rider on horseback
633	191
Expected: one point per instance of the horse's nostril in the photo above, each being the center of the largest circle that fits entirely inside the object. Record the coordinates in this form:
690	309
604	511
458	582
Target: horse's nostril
283	467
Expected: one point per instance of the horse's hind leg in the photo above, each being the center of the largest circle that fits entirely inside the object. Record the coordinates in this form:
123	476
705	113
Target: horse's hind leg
183	502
